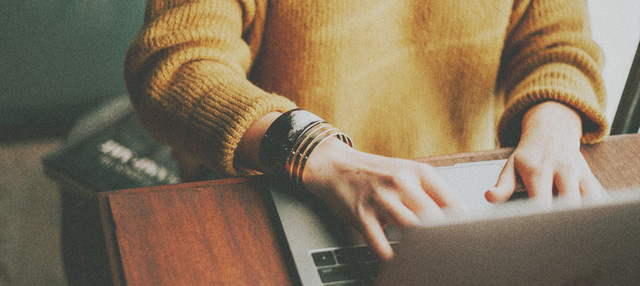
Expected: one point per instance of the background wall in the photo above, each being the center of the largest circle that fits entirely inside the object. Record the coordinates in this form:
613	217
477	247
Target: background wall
615	26
59	58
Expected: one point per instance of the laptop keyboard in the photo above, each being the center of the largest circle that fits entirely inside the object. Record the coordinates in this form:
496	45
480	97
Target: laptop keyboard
347	265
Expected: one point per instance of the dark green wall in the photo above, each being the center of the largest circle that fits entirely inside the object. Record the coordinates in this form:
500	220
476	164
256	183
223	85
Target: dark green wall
59	58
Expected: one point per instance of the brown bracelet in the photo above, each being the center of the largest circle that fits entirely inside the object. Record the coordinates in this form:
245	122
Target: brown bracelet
312	138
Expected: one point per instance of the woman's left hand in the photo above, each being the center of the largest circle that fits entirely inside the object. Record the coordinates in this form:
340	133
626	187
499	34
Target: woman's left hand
547	159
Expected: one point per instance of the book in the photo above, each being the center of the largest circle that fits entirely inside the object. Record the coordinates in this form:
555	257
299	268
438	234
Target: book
108	149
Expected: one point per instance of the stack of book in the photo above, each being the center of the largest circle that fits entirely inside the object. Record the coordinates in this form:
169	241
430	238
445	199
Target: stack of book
108	149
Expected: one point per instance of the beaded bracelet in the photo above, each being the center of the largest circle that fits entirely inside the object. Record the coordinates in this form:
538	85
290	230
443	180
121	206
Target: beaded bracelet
291	138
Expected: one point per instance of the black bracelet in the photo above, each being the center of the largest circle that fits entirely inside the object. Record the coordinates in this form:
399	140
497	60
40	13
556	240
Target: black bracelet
281	136
290	139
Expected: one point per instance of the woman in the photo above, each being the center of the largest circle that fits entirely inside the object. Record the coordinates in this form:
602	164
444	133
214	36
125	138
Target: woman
403	79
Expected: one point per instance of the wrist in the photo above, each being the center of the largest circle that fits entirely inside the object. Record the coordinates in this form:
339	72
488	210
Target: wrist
551	119
329	159
247	153
289	141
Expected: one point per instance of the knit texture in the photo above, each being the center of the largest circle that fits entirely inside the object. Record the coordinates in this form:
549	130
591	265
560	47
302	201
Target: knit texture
403	78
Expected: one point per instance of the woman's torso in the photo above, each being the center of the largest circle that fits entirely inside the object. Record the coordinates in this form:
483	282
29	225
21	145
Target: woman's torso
403	78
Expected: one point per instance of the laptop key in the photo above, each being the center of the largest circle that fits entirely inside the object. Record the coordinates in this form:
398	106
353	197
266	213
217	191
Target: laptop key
367	254
350	265
324	258
353	255
339	273
346	256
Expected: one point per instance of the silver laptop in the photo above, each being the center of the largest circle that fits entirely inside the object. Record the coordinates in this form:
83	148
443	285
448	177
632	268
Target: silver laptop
326	252
590	245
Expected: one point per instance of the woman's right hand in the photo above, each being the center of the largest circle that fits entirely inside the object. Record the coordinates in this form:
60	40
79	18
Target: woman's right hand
370	191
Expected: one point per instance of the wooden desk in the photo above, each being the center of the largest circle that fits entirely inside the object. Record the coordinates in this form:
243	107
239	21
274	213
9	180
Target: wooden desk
224	233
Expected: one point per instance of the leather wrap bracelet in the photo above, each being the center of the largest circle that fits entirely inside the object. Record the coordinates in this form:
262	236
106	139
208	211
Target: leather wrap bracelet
288	142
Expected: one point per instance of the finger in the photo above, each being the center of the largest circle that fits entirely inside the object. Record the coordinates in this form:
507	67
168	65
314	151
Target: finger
539	184
422	204
412	195
439	191
567	183
506	184
590	188
392	208
374	233
426	209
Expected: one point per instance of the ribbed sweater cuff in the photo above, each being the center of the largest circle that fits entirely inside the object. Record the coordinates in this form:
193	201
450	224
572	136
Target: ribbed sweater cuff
558	82
214	112
231	118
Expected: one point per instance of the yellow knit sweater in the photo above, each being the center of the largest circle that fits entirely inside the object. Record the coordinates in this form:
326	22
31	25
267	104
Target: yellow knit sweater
409	78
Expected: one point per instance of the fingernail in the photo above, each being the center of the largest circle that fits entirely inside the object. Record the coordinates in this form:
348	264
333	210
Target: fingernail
489	195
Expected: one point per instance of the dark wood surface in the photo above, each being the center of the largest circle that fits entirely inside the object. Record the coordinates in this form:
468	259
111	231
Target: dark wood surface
224	232
207	233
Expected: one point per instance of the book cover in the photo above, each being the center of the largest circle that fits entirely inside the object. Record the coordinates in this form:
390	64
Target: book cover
109	150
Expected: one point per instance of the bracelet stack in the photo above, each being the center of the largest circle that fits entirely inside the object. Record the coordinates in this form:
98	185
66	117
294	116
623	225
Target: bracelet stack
291	138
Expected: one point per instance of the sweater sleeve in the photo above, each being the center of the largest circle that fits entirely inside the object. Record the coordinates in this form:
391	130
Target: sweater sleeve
549	55
186	73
